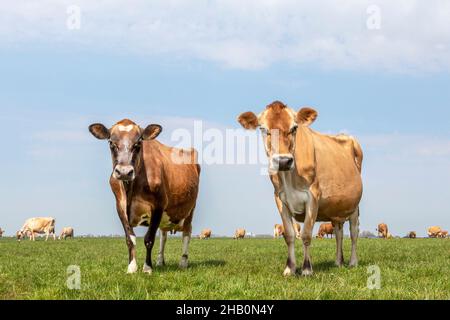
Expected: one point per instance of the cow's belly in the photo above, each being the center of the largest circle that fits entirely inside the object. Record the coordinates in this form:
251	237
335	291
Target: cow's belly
141	215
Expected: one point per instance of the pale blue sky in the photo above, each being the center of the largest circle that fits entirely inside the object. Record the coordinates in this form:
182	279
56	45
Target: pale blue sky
55	82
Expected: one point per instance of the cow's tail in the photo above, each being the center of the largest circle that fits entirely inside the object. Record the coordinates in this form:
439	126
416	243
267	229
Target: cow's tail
358	153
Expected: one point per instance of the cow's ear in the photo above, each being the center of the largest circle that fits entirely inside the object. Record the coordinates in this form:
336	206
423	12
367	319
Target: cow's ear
151	132
248	120
306	116
99	131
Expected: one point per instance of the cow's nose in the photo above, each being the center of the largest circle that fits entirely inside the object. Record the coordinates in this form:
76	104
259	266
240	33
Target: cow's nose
284	163
122	172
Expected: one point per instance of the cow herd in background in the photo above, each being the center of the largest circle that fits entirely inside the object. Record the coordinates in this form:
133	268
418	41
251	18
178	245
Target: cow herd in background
46	226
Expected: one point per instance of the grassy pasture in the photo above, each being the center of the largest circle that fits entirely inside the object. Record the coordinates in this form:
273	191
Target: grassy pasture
223	269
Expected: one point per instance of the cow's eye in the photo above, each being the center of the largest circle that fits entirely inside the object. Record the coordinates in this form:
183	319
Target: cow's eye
112	145
137	146
293	130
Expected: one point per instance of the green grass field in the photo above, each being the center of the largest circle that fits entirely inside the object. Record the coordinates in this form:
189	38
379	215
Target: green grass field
223	269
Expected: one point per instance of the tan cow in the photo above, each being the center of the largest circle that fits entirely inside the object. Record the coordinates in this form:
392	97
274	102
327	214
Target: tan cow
278	231
41	225
316	177
412	235
66	232
154	185
205	234
383	230
443	234
239	234
325	229
433	232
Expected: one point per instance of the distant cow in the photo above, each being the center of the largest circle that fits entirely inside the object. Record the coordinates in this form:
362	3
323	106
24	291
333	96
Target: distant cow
205	234
412	235
1	232
382	230
443	234
433	232
278	231
40	225
325	229
66	232
298	230
239	234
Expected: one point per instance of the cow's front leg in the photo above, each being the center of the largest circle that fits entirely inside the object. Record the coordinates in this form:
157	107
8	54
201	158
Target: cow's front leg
130	238
289	237
310	220
149	239
162	245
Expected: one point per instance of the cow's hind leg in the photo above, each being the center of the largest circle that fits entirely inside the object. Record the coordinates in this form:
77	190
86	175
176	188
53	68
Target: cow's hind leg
149	240
187	231
162	244
354	232
339	234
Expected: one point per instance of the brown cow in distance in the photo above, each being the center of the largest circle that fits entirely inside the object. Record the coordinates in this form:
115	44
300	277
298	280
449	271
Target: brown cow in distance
66	232
239	234
205	234
1	232
278	231
383	231
412	235
155	186
443	234
316	177
325	229
40	225
433	232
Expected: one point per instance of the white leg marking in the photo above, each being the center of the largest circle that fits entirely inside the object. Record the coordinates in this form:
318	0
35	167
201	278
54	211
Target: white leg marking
133	239
132	267
288	272
147	269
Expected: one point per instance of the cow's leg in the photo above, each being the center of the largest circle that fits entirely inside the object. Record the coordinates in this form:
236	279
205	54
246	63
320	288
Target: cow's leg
46	235
121	206
354	232
339	234
289	238
187	232
149	239
310	220
162	244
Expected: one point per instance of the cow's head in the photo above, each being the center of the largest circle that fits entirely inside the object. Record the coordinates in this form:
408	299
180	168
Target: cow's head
278	124
125	141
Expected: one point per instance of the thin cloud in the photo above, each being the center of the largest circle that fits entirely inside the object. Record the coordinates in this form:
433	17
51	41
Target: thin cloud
413	36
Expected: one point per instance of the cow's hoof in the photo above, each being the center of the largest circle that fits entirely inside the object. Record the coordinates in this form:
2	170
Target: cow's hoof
353	263
160	263
288	272
307	272
132	267
183	264
147	269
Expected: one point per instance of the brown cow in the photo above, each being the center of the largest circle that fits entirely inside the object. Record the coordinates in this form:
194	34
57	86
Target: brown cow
443	234
1	232
205	234
40	225
155	185
433	232
278	231
383	230
316	177
239	234
66	232
325	229
412	235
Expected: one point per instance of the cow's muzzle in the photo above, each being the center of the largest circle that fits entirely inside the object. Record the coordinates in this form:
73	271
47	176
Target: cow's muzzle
124	172
282	162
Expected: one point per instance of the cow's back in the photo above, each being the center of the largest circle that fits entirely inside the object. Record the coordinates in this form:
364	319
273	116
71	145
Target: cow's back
39	224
